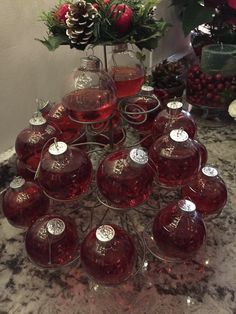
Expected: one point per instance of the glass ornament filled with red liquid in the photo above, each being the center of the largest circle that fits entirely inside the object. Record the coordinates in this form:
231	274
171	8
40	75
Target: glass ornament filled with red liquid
93	97
126	70
203	152
108	255
176	157
207	191
30	141
178	230
125	178
110	131
52	241
57	114
140	110
173	117
23	171
24	202
64	172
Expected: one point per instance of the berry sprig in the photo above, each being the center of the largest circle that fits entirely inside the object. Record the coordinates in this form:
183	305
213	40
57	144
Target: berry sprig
210	90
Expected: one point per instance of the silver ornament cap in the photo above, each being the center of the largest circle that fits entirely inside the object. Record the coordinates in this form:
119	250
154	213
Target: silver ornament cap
139	156
57	148
105	233
55	226
186	205
179	135
209	171
17	183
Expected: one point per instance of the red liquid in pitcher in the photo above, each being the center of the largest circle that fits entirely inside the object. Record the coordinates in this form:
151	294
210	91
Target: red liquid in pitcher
89	105
128	81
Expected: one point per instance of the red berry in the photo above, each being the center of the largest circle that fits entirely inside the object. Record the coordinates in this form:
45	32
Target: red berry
60	14
231	3
216	98
210	86
209	78
195	69
218	76
220	86
209	95
123	17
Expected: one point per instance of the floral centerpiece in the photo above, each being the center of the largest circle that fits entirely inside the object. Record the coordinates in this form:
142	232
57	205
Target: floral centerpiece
103	22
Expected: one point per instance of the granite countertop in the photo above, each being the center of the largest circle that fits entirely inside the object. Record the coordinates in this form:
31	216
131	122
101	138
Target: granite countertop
207	285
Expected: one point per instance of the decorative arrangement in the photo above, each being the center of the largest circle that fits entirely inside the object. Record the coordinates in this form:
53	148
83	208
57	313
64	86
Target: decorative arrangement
103	22
95	115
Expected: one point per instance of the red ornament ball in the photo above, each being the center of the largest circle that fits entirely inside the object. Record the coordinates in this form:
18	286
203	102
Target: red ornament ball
52	241
178	230
207	191
23	203
122	16
108	255
65	172
60	14
125	178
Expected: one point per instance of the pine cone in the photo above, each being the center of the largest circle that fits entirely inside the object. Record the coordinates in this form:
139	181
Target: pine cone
80	23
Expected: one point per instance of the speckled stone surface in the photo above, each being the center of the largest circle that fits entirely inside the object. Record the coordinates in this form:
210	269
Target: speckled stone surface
204	285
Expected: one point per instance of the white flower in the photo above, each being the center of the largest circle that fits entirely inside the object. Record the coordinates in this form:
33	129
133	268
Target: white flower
232	109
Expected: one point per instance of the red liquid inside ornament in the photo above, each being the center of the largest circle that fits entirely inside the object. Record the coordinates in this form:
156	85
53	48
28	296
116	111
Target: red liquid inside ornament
203	152
173	117
108	131
65	173
52	241
24	202
30	142
128	80
23	171
108	255
125	178
71	130
140	111
207	191
176	157
89	105
178	230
